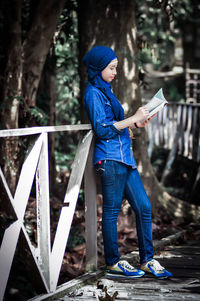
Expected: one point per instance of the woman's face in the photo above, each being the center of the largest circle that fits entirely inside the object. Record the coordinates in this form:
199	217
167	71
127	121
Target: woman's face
109	73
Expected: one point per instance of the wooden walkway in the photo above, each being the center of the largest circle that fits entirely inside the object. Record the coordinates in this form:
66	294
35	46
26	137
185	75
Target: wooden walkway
183	261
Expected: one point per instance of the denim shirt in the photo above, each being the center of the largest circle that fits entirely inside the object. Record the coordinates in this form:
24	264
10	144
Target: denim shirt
110	143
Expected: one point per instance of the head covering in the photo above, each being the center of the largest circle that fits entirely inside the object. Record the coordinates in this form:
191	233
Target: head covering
96	61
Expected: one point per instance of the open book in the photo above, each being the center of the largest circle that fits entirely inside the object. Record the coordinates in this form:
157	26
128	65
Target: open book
156	103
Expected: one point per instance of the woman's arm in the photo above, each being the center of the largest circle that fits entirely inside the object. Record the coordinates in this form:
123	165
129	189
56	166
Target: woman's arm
94	103
141	114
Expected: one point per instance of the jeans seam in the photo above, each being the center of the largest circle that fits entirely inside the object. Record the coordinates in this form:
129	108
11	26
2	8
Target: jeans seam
140	219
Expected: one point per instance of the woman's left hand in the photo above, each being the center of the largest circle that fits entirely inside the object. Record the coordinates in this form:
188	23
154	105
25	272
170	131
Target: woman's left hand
143	124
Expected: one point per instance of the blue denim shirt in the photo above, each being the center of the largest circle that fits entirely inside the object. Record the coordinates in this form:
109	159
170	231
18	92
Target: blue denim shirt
110	143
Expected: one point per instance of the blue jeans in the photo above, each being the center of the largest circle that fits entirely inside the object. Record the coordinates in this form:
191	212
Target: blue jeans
118	180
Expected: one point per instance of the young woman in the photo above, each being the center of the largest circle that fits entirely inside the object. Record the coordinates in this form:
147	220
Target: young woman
114	161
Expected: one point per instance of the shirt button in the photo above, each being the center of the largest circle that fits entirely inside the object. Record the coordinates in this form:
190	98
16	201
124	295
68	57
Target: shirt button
107	140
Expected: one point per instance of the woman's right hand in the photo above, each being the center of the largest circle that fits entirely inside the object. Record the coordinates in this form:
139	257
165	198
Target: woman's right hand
141	114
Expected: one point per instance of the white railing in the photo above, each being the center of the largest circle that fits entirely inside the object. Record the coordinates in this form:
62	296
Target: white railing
47	261
177	123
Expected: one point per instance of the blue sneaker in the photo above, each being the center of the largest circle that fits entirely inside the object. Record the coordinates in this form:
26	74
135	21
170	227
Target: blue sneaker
123	269
154	267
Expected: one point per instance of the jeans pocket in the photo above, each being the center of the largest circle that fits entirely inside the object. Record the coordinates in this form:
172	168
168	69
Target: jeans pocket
100	167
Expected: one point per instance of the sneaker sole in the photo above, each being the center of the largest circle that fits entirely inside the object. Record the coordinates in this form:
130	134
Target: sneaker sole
158	277
151	271
163	277
122	276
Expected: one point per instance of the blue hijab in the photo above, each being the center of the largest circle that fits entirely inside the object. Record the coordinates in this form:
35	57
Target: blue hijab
96	61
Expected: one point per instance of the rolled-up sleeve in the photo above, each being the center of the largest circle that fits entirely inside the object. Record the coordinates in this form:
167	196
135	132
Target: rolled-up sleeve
95	106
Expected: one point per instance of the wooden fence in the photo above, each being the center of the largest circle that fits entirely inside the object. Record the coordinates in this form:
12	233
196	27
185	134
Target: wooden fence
45	261
177	124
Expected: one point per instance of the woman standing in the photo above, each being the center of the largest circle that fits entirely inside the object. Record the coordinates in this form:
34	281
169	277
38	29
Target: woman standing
114	161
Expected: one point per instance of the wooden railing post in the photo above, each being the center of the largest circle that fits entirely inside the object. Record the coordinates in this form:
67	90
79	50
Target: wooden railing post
90	213
43	211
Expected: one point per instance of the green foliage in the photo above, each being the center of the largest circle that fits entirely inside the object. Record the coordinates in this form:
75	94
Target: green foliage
75	237
66	49
159	25
67	84
173	93
39	115
64	159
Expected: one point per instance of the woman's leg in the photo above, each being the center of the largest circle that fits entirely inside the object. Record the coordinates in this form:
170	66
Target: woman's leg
139	201
113	179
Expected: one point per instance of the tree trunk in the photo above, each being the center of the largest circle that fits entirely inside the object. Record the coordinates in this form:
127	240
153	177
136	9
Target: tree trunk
47	90
36	45
113	23
11	89
21	69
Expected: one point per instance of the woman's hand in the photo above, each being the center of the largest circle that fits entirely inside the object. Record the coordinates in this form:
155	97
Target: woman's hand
141	114
139	117
141	124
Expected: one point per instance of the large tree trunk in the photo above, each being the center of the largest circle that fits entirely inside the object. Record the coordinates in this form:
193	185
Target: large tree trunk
36	45
113	23
47	90
21	68
11	85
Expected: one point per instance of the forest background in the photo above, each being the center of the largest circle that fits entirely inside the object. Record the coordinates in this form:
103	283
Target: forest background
42	83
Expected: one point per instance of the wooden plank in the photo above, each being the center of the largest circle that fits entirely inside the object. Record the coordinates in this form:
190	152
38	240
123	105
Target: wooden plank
43	211
69	286
156	133
168	129
195	133
43	129
152	135
179	125
160	119
184	282
173	124
187	134
67	212
171	158
145	288
165	126
90	213
182	138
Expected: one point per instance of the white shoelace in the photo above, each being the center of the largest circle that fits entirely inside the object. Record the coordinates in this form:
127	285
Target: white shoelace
125	264
156	265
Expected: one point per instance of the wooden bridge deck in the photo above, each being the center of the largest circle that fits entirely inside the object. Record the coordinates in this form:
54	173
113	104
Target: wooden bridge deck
183	261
